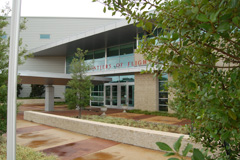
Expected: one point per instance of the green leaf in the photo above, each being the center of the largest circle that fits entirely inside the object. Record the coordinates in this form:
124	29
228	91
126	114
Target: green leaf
169	154
177	144
175	2
148	26
232	115
205	26
140	24
197	154
175	36
223	27
175	75
164	146
195	10
213	16
225	135
202	18
216	36
235	20
187	149
104	9
192	84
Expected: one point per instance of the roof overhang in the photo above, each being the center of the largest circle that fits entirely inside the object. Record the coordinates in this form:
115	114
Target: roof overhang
113	34
47	78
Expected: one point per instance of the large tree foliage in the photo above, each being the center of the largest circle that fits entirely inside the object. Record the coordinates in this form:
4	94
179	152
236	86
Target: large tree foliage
4	50
198	42
78	94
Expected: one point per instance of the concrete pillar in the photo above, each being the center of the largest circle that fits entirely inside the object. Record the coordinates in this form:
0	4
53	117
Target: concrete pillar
49	98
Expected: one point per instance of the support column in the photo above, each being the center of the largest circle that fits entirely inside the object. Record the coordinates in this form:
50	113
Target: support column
49	98
146	92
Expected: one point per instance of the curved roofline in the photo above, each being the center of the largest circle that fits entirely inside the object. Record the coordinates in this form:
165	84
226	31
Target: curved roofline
81	35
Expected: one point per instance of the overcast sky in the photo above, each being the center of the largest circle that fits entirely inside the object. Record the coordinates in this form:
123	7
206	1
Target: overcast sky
62	8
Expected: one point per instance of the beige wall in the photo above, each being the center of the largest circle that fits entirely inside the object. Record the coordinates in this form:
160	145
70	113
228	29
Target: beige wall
146	92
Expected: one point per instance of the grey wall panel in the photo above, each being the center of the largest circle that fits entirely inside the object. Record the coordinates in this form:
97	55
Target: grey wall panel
58	28
44	64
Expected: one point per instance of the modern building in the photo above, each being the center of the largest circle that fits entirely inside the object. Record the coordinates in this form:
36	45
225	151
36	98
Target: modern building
111	45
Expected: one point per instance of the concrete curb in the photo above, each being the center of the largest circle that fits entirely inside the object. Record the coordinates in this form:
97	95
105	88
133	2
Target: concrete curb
123	134
36	101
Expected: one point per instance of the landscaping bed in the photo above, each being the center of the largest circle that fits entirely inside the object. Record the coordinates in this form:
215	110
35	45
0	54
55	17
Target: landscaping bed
154	113
137	123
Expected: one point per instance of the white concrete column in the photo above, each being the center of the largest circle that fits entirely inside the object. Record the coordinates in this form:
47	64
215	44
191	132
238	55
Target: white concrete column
49	98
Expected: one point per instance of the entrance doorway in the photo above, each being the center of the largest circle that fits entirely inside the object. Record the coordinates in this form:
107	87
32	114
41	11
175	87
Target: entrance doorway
119	94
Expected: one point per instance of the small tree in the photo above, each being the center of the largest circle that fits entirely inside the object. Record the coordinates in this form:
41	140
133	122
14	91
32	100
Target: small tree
78	94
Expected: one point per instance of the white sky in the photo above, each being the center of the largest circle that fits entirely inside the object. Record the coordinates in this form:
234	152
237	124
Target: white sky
62	8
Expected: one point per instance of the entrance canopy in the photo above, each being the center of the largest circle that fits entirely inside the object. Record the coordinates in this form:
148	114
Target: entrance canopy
49	79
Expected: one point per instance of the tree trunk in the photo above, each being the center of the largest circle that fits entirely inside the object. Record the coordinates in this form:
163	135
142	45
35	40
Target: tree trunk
80	112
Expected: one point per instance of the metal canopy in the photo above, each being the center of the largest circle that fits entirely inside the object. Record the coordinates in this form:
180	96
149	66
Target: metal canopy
47	78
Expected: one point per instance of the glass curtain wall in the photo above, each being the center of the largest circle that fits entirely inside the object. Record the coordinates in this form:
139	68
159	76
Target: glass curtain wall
163	93
121	56
97	95
97	59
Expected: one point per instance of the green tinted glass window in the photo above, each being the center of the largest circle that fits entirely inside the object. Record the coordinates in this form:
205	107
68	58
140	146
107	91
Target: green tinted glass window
99	54
126	49
89	55
113	51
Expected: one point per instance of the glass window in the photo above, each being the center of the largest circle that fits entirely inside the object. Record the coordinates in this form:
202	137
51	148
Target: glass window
126	49
127	78
113	51
89	55
97	97
44	36
163	93
114	78
99	54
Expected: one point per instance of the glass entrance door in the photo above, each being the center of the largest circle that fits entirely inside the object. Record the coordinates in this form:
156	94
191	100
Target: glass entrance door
123	95
131	95
118	94
107	96
114	95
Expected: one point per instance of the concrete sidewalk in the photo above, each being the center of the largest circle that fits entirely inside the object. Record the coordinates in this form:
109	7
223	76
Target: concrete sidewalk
72	146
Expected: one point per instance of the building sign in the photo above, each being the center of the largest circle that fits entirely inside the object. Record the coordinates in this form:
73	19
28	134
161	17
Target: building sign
120	65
